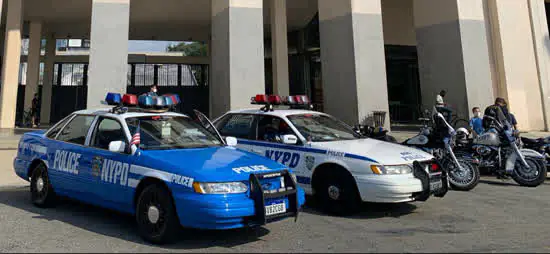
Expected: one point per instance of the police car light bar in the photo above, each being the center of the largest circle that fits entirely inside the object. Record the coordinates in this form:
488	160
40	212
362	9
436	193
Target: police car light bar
143	102
294	101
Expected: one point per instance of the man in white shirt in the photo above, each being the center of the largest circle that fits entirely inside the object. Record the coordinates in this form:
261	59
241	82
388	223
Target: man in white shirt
441	106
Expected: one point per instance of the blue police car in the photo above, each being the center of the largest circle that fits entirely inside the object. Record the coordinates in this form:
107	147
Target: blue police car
163	167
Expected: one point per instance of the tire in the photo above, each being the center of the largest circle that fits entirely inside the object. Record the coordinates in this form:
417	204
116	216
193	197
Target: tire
42	193
530	178
462	180
156	215
336	192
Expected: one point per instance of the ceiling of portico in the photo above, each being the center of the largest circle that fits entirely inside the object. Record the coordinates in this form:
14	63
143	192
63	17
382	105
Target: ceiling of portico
152	19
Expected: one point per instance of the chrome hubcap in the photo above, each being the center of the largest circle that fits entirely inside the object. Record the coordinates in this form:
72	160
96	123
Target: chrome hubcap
333	192
39	184
153	214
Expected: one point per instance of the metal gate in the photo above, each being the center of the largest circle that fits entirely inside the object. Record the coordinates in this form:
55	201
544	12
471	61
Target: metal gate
190	82
69	90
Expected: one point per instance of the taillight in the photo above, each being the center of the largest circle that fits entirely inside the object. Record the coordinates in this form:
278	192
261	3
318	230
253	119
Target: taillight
434	167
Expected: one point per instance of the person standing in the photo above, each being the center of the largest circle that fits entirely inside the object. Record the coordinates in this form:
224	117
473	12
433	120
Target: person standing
34	110
476	123
441	106
153	90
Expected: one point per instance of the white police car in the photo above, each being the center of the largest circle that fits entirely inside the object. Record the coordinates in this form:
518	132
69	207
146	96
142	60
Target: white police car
330	159
163	167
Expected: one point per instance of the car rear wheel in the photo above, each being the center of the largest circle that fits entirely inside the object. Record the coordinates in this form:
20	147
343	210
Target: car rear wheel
156	215
42	194
337	192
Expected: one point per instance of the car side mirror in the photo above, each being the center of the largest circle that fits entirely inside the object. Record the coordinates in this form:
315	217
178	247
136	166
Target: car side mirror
290	139
117	146
231	141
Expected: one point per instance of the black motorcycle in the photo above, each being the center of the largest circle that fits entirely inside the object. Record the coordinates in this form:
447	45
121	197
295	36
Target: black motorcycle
498	152
541	145
438	138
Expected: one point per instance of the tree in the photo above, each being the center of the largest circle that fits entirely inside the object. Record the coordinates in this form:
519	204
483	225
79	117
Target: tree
190	48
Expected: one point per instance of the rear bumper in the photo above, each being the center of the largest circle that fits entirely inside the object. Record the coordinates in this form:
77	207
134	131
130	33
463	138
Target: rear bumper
219	211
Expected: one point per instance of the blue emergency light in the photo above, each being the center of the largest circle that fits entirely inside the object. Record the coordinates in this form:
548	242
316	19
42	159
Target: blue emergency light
113	99
145	101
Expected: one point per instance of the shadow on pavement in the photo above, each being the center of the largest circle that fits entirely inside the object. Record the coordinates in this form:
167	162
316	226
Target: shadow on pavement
122	226
366	210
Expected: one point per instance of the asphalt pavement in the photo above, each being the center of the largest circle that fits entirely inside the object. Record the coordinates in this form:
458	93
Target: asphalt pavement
496	216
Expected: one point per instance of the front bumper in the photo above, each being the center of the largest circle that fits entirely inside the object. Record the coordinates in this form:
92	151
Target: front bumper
229	211
400	188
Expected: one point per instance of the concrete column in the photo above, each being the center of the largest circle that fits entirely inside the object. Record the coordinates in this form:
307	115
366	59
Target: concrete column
33	62
352	57
453	53
541	39
237	54
108	69
47	85
279	47
10	68
514	50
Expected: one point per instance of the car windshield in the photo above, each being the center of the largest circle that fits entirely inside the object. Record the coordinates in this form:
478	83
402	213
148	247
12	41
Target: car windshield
322	128
171	132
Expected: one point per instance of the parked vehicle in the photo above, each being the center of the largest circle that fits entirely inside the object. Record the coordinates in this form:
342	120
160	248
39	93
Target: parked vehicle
437	137
498	151
161	167
332	162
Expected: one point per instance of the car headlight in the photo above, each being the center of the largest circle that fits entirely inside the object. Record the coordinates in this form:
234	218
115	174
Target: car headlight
391	170
220	188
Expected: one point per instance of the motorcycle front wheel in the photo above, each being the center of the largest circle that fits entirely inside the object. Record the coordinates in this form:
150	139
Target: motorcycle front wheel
464	178
532	176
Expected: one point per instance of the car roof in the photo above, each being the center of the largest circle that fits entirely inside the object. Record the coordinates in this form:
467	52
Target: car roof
106	112
275	112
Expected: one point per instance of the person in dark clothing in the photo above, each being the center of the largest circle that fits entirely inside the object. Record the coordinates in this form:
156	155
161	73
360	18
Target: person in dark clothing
35	110
498	111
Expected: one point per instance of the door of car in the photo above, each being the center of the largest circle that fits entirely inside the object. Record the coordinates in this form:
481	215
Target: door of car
108	169
66	160
240	126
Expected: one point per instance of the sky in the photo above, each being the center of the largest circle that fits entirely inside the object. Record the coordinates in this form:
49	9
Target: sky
148	46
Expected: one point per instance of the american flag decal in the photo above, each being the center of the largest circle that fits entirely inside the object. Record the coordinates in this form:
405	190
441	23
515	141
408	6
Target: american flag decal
136	137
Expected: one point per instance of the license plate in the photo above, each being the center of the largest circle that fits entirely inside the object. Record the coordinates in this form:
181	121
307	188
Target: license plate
275	209
436	183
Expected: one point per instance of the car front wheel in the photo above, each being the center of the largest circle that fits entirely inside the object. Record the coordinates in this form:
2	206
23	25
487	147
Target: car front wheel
337	193
156	215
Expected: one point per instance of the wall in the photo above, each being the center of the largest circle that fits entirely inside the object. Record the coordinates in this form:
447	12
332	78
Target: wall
398	20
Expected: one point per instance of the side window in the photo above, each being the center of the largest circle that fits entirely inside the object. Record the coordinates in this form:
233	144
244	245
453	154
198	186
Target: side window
107	130
272	129
58	127
239	126
75	132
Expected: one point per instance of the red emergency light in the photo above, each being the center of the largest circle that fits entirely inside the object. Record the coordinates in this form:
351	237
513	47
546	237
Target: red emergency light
294	101
129	100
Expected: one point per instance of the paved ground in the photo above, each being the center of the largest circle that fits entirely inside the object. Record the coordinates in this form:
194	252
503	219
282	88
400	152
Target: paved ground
495	216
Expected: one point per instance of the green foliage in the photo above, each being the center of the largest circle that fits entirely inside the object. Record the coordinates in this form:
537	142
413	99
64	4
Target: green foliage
190	49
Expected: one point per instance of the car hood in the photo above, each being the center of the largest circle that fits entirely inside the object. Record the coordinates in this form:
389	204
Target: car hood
375	151
214	164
